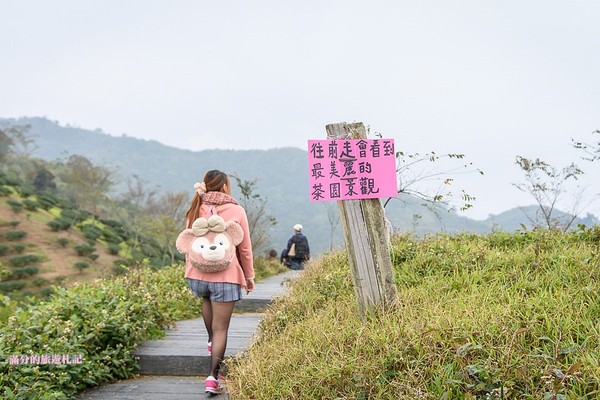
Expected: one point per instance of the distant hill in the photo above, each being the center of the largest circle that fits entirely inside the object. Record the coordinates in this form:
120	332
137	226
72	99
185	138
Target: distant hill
281	174
512	220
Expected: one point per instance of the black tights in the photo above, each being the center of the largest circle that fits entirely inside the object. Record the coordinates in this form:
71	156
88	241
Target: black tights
216	316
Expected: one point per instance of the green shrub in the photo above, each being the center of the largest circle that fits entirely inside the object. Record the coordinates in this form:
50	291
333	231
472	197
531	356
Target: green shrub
113	248
5	273
54	225
22	272
4	191
26	190
19	248
20	261
91	232
15	235
39	281
7	308
11	286
102	322
4	249
47	291
159	262
80	266
111	236
64	242
15	205
47	201
14	224
84	250
68	217
60	224
75	215
116	228
12	179
120	267
30	205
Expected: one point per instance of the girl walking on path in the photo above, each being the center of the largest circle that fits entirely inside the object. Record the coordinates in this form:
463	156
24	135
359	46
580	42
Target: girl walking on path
219	290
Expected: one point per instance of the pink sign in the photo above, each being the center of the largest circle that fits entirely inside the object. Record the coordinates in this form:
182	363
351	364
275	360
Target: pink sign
351	169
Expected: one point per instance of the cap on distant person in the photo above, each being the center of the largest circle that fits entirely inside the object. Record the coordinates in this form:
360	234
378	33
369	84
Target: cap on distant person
298	228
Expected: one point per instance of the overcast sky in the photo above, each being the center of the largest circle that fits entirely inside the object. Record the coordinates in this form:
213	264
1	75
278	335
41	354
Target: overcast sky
490	79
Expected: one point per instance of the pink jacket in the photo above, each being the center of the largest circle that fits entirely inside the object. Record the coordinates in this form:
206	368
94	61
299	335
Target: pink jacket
235	273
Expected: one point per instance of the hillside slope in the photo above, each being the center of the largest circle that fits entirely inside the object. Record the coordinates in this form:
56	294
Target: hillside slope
511	316
55	251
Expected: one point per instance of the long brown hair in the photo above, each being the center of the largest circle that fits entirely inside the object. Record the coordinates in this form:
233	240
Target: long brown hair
215	181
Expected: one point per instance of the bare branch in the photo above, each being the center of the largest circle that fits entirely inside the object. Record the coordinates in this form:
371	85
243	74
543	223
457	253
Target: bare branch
547	185
417	172
591	149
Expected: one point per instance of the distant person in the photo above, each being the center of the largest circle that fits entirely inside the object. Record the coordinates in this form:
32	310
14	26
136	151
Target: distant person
297	250
219	290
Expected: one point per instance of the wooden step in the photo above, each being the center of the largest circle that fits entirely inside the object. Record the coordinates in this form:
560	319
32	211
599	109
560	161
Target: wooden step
183	350
175	367
151	388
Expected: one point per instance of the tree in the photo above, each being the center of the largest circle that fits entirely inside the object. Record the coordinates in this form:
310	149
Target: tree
14	140
135	203
87	185
547	185
44	179
424	177
24	143
6	144
166	220
259	221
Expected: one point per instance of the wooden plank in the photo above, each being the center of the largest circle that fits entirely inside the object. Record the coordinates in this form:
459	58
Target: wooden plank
151	388
183	350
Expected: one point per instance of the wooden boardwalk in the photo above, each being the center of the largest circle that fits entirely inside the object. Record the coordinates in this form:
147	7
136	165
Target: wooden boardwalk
175	367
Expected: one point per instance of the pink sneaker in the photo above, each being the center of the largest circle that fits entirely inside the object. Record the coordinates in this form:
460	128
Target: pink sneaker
212	385
209	348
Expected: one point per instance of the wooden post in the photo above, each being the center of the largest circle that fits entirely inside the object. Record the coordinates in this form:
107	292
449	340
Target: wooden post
366	239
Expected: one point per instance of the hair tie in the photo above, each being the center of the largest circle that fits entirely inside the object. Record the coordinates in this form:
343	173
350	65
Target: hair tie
200	188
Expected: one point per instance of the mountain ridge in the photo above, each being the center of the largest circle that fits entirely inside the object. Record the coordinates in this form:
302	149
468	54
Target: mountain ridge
281	176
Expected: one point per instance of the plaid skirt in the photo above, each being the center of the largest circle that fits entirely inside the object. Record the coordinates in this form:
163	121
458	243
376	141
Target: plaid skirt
215	291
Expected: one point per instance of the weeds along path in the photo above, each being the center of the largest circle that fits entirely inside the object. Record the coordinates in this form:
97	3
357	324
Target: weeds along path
176	366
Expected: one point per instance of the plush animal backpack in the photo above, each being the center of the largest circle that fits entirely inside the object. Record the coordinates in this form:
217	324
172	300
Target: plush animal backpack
210	244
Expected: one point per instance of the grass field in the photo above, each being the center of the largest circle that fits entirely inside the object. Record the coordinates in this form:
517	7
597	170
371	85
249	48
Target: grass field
502	316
